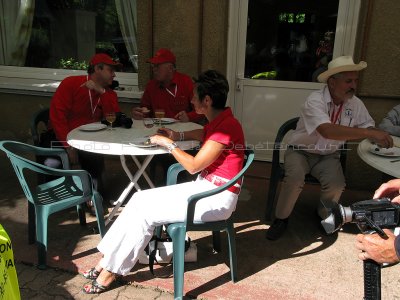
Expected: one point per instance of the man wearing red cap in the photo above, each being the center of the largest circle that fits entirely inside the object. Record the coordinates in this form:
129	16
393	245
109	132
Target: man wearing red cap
82	100
168	90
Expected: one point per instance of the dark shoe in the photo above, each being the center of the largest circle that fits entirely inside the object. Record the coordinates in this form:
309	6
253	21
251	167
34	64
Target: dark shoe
276	230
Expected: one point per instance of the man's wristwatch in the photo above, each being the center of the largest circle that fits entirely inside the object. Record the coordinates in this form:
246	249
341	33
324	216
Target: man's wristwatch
171	147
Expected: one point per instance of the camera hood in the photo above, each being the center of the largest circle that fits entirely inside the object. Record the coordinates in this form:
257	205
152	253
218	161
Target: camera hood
338	216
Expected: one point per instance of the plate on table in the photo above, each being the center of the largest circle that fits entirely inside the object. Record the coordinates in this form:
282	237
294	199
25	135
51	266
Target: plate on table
92	127
141	143
165	120
388	152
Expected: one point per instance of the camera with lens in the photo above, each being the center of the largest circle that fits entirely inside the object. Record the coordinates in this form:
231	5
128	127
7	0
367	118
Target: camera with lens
369	215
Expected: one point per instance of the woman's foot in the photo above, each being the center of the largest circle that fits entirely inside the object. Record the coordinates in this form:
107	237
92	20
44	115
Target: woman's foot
91	274
94	288
101	284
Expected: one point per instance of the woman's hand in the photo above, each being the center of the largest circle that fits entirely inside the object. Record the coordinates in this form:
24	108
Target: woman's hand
173	135
161	140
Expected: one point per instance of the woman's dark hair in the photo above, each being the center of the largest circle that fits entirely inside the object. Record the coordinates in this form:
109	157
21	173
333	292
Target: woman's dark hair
213	84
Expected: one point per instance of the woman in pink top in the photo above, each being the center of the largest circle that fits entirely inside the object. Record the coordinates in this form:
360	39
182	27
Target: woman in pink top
219	159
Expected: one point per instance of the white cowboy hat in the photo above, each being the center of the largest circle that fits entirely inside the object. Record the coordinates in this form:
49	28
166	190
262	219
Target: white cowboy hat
341	64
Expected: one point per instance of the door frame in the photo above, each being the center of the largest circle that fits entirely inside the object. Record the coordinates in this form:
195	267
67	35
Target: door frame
345	40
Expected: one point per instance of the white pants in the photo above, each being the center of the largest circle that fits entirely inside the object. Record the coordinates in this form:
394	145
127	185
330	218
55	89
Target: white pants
134	227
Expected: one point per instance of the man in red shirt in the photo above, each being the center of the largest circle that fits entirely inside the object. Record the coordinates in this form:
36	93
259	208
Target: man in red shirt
169	90
82	100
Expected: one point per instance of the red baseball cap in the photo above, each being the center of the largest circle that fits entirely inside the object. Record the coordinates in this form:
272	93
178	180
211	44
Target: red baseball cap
163	55
102	58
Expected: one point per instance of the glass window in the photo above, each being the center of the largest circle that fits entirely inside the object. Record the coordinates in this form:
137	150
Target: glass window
64	34
289	40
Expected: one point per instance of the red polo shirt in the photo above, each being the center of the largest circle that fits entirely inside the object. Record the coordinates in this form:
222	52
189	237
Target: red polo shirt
71	107
225	129
173	99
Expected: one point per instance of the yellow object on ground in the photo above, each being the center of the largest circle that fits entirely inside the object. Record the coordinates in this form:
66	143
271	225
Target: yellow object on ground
9	288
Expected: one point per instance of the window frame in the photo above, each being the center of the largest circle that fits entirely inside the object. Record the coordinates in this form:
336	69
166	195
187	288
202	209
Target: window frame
44	81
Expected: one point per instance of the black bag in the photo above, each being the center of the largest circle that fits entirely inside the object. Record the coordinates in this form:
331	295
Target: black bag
153	246
121	120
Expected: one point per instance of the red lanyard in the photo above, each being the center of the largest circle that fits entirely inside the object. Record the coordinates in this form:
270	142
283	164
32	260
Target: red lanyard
335	117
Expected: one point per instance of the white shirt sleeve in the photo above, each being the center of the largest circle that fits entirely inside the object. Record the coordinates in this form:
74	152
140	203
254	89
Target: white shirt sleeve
315	111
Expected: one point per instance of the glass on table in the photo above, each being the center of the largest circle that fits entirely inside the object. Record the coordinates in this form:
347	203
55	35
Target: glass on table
110	117
159	113
148	122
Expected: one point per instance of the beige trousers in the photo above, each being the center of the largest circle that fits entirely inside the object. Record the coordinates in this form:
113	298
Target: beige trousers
326	168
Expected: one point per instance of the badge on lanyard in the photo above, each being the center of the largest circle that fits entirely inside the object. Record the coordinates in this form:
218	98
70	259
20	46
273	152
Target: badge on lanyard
348	112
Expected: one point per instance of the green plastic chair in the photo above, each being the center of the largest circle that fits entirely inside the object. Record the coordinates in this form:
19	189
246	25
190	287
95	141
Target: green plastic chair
39	122
177	231
71	188
278	170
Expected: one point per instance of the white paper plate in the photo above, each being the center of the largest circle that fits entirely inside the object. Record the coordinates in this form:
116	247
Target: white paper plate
92	127
140	142
388	152
165	120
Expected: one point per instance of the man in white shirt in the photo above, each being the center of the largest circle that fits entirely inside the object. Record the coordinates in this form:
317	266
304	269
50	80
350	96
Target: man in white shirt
328	118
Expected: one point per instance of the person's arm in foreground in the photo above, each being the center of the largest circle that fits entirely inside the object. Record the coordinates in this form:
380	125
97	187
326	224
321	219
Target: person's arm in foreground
372	245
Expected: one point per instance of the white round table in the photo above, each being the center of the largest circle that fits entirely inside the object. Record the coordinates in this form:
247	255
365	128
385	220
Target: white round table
118	142
386	164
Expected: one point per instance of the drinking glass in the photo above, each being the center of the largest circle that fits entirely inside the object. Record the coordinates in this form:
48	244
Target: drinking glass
159	114
148	122
110	117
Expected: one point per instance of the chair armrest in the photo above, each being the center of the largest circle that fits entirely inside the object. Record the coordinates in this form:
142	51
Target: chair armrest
173	172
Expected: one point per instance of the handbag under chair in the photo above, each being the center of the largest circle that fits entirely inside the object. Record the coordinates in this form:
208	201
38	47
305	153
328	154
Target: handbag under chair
177	231
70	188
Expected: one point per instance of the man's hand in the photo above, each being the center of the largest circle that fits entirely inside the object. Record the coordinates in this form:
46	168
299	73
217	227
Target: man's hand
182	116
390	189
382	138
376	248
137	113
91	85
